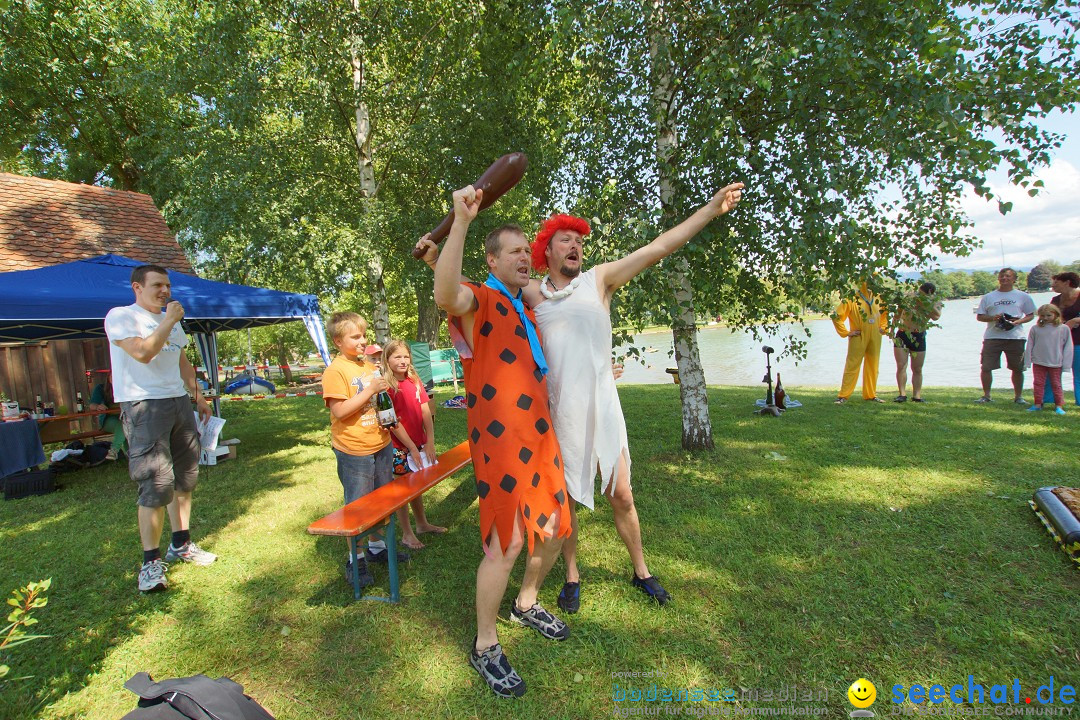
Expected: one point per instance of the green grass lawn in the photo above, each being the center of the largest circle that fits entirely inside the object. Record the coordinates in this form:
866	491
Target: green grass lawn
891	542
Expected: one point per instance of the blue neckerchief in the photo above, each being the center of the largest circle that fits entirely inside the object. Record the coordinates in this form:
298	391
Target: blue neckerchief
530	330
869	302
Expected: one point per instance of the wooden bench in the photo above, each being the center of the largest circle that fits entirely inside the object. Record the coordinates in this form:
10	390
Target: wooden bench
367	514
57	428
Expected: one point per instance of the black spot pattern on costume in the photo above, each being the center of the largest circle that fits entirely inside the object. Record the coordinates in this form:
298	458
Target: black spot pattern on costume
472	400
542	426
488	392
536	480
525	455
524	402
486	329
502	309
482	488
508	483
496	428
475	435
507	357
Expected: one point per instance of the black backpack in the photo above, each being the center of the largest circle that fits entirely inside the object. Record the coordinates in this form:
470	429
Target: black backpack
192	698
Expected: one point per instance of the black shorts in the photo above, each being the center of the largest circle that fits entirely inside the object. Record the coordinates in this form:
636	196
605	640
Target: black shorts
913	341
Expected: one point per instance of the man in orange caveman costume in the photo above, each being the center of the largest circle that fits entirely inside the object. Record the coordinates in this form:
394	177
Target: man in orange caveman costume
516	459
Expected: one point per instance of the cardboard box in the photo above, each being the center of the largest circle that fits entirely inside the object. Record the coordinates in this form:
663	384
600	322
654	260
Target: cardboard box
218	455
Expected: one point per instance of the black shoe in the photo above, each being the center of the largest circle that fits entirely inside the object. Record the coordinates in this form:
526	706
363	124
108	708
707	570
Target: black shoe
493	666
381	556
917	400
365	576
540	620
570	597
901	398
651	587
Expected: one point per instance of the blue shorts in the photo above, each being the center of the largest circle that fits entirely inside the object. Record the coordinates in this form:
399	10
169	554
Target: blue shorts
360	474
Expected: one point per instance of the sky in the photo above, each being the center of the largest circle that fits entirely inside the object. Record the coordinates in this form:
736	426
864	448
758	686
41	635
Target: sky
1039	228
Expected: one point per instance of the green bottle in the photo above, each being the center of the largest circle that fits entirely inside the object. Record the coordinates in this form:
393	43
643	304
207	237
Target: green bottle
384	407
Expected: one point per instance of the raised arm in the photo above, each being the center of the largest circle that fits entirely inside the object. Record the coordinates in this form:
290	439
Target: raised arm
450	294
145	349
614	275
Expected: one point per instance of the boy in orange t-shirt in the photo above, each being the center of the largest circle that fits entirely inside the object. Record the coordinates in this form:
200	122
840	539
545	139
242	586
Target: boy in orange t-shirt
362	447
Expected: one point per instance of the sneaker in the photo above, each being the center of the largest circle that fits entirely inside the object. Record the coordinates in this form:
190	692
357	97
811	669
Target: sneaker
190	553
544	622
1021	401
1059	411
570	597
365	576
651	587
496	671
875	399
984	399
1034	408
900	398
917	400
111	455
152	576
840	401
381	556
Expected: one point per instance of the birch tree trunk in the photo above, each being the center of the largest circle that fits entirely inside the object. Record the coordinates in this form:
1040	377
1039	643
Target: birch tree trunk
696	426
381	312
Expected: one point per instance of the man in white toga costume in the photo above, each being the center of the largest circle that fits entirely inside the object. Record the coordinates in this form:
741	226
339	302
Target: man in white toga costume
573	312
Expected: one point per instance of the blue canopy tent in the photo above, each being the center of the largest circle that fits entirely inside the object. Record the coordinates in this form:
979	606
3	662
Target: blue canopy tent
69	302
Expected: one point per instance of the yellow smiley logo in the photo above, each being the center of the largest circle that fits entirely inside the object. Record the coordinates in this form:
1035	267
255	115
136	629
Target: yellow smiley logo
862	693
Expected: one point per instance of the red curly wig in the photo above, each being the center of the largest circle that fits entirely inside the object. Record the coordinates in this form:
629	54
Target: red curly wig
552	225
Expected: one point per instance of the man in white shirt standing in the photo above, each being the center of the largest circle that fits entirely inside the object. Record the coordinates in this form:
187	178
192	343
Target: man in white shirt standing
151	381
1004	311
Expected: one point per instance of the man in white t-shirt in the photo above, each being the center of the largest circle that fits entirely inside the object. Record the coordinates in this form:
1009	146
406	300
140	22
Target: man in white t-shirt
151	381
1004	311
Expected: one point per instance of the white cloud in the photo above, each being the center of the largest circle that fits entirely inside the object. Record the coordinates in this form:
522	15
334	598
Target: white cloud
1038	228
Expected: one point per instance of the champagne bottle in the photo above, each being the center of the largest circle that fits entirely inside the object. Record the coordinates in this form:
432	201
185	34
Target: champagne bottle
780	394
78	402
384	407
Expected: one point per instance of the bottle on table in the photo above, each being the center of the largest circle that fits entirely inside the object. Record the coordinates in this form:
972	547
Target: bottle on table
39	407
780	394
78	402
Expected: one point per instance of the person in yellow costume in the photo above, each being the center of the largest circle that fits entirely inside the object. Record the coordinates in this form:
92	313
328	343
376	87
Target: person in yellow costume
862	320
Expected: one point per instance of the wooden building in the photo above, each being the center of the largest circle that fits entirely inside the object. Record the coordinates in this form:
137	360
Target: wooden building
48	222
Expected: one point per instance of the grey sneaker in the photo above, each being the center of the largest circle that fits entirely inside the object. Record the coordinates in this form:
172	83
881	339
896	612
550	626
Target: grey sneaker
1021	401
152	576
541	620
190	553
493	666
984	399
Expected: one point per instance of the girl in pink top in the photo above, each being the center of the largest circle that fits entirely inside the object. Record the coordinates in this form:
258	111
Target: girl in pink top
1049	351
414	435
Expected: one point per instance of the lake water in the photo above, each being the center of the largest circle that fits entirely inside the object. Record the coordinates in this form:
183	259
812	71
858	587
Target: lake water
735	358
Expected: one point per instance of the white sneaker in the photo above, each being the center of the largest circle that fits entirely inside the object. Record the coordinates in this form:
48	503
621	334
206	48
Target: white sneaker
152	576
190	553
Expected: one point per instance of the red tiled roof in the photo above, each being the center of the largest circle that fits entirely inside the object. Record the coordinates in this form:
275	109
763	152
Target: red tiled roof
48	222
